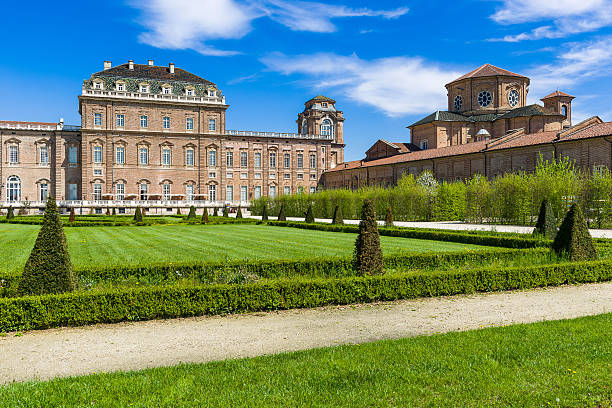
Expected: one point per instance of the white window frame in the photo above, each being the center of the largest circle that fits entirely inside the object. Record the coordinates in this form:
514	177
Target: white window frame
189	192
166	191
144	121
287	190
120	155
229	159
97	191
189	123
143	156
212	125
212	192
44	155
287	160
13	154
212	158
97	154
258	160
244	159
313	161
166	156
244	193
166	122
97	119
272	191
272	160
120	120
143	191
300	160
257	192
120	191
189	157
13	188
43	191
229	193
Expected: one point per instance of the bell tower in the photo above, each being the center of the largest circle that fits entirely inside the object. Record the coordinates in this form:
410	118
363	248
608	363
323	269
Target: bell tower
561	103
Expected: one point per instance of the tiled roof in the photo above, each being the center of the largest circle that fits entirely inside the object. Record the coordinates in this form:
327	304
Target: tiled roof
487	70
529	139
601	129
322	98
17	122
557	93
152	72
529	110
443	116
406	147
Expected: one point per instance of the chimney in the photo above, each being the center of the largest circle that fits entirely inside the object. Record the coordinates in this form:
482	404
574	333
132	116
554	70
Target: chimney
171	66
107	65
131	64
150	63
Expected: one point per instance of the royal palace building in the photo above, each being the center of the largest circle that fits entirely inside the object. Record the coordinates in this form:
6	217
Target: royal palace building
153	135
488	129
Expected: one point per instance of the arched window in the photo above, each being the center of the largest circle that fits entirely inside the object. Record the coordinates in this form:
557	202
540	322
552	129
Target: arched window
564	110
13	189
304	127
326	128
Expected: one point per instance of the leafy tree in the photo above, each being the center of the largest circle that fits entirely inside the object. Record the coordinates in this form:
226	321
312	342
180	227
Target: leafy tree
192	213
264	213
10	214
546	225
367	259
389	218
137	215
239	213
48	269
205	216
337	218
573	239
215	212
309	216
71	216
281	213
225	213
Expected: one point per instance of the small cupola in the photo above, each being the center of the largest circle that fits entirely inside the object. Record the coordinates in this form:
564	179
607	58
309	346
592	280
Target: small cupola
561	103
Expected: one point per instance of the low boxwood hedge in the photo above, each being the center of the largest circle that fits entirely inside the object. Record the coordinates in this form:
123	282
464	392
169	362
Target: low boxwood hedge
80	308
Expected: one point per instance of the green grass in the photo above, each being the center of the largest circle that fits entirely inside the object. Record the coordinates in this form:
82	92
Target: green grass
559	364
182	243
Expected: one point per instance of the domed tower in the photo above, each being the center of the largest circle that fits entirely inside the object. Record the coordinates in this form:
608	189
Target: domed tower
321	118
561	103
487	89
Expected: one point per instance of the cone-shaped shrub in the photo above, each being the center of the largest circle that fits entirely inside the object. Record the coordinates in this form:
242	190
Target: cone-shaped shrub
192	214
281	213
71	216
205	216
239	212
547	223
10	214
225	214
337	218
138	215
107	211
309	216
48	269
114	212
389	218
367	259
215	212
264	213
178	211
573	239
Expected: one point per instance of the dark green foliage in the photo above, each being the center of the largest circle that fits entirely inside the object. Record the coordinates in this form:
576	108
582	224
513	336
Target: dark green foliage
368	259
281	213
138	215
107	211
10	214
239	213
264	213
573	239
309	216
546	226
389	218
192	213
178	211
114	212
216	212
48	269
205	219
225	213
71	217
337	218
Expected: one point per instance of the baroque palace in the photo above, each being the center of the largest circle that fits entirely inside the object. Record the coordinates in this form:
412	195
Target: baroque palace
488	129
156	136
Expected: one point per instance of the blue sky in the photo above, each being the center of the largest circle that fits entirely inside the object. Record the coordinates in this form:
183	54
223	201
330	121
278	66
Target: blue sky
385	62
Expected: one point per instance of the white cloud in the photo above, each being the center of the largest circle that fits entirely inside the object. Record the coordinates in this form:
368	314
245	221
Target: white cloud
190	24
396	85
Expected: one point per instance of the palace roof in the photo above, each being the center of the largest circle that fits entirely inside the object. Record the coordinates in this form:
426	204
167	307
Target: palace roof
321	98
487	70
557	93
155	72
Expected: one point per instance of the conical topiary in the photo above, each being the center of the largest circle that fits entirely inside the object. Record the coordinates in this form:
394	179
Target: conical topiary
71	216
178	210
239	212
389	217
546	226
309	216
107	211
337	218
114	212
205	216
192	214
10	214
281	213
225	213
137	215
367	258
264	213
48	269
573	239
215	212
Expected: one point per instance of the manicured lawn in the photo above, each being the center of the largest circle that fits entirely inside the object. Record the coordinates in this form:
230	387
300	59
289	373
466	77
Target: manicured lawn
176	243
558	364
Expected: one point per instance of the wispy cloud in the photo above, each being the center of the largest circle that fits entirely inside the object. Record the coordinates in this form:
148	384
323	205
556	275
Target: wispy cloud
395	85
240	80
193	24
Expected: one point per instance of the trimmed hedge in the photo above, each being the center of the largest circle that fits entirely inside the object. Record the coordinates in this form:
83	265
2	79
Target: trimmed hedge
39	312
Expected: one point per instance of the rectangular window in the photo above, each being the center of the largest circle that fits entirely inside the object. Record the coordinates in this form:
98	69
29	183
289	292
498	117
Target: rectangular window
313	176
300	160
97	153
258	160
287	176
313	161
244	175
287	190
212	125
144	121
258	175
120	120
229	193
144	89
287	160
229	175
212	174
189	157
167	90
13	154
165	191
272	191
166	122
144	191
97	172
166	157
44	191
272	163
144	156
189	123
244	159
120	155
120	188
229	159
72	191
212	192
313	190
243	193
300	176
44	155
212	158
120	87
189	192
97	119
272	175
97	191
189	92
257	192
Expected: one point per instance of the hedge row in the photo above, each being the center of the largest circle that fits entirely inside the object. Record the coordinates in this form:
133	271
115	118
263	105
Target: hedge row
39	312
119	223
496	240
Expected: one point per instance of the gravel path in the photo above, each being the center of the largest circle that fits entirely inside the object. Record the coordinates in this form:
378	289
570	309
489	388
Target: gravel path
130	346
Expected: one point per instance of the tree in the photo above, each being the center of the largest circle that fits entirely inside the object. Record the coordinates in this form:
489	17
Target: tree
337	218
264	213
48	269
239	212
71	216
225	213
192	213
281	213
546	226
9	213
309	216
205	216
573	239
215	212
137	215
389	217
367	258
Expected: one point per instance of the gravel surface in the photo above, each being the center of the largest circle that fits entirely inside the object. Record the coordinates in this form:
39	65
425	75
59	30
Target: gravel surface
62	352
